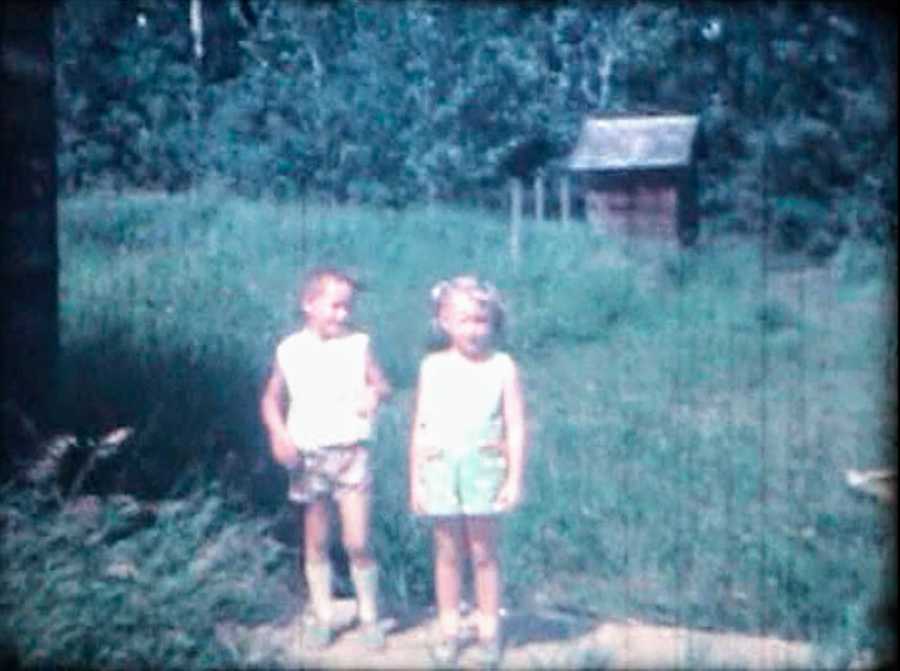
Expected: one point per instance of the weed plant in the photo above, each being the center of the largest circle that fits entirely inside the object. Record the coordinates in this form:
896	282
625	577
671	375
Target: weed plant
114	582
691	421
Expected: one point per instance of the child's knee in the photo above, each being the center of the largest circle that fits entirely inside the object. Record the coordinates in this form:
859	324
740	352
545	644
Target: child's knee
484	561
316	552
447	552
315	545
357	551
356	544
483	556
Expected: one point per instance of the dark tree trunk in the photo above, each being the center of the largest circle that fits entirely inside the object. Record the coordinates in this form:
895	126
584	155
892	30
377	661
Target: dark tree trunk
29	262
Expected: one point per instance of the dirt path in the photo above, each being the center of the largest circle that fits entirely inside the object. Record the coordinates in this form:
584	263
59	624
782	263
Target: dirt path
534	641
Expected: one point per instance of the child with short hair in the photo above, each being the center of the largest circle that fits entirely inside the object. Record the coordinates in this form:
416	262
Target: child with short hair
467	455
332	385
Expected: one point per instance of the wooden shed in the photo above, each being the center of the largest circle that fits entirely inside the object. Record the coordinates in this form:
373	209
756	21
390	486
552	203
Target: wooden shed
638	175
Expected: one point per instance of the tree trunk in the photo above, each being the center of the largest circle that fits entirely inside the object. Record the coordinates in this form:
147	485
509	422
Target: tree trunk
29	251
604	70
539	198
196	21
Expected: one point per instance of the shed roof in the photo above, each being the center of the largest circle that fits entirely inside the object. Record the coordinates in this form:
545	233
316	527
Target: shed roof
634	143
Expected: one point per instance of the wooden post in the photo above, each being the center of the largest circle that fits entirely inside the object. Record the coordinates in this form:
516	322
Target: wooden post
539	197
564	196
515	188
304	230
432	199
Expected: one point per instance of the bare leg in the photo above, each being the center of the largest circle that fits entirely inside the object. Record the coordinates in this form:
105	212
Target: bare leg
482	532
315	531
448	547
317	568
355	508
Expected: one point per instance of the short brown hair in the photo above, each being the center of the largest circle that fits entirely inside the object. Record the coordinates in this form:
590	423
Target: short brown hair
313	279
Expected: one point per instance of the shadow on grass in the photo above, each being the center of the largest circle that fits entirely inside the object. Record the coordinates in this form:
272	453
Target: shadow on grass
195	417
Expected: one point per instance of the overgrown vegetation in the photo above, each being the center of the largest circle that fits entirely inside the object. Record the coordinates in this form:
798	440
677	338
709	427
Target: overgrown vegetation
692	412
692	417
111	581
395	103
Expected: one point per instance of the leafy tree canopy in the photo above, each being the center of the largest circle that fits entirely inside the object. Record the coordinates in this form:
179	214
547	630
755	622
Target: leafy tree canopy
393	102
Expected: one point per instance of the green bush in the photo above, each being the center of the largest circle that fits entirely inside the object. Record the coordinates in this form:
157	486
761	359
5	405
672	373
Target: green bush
797	220
123	583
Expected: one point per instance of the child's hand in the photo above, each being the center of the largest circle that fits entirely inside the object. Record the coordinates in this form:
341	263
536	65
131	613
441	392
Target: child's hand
510	494
415	499
283	449
368	403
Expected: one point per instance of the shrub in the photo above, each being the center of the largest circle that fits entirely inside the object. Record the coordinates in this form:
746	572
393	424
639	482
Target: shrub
797	220
124	583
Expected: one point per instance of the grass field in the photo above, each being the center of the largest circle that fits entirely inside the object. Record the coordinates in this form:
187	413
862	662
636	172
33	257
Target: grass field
692	416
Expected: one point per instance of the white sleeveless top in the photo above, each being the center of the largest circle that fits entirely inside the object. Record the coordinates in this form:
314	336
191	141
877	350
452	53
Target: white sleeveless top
326	381
461	401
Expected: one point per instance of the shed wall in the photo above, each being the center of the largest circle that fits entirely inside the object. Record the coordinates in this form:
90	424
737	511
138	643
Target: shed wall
639	204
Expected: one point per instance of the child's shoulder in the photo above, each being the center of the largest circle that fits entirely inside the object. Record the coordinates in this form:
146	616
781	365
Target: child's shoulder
438	359
438	355
290	347
291	339
431	362
304	335
505	363
447	357
358	336
305	346
354	341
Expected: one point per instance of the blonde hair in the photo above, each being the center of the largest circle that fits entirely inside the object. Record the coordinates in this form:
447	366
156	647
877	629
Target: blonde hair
482	292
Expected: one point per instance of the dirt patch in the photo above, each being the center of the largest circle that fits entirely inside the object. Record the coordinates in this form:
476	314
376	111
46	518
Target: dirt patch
534	641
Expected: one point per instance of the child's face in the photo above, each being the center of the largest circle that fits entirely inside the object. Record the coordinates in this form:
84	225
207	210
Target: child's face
327	309
467	323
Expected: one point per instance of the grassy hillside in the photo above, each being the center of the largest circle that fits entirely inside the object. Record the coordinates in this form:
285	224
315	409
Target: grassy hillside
691	419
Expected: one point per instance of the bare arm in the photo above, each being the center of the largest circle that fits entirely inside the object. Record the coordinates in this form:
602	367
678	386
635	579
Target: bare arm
272	411
413	466
516	443
376	381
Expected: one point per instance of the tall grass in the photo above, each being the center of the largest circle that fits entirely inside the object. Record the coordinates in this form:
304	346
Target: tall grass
691	416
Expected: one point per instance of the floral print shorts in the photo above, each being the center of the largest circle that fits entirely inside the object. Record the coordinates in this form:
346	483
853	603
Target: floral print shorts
330	471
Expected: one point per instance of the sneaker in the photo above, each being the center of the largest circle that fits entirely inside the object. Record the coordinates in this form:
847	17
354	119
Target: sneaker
316	635
372	635
488	653
445	652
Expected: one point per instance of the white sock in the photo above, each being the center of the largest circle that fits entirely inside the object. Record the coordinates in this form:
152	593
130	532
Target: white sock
318	579
365	580
449	621
488	626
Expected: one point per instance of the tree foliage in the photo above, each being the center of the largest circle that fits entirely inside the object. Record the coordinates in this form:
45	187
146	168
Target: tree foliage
397	102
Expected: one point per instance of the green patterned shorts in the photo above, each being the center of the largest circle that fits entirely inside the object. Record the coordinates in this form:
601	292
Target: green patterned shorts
462	482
